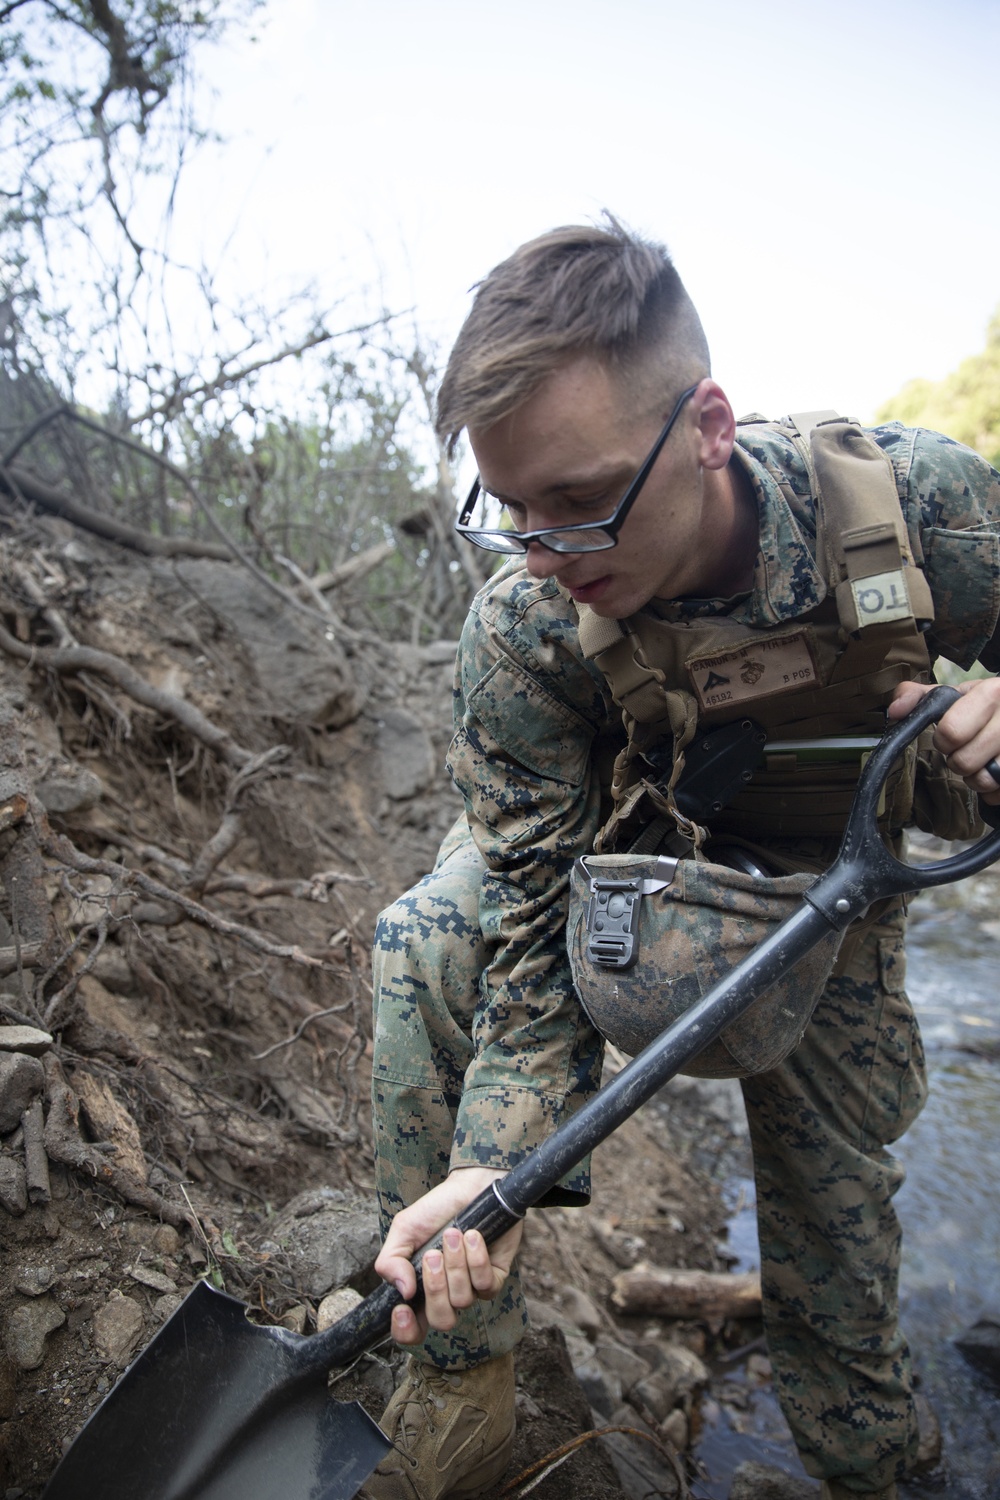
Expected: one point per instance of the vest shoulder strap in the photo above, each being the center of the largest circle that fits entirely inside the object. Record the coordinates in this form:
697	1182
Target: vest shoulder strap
863	544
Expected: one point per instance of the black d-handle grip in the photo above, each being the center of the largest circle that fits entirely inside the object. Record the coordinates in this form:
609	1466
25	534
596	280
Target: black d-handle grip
865	870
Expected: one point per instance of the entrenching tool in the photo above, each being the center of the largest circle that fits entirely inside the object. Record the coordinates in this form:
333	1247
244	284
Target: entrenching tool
216	1408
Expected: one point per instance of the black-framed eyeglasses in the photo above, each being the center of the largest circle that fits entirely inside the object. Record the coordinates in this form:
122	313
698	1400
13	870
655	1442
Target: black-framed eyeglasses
584	536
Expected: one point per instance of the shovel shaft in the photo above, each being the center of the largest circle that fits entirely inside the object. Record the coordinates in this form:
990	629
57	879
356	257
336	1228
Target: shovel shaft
646	1074
506	1202
864	871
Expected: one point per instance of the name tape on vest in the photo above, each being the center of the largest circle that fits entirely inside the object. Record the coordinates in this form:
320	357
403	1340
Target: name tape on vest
755	670
883	596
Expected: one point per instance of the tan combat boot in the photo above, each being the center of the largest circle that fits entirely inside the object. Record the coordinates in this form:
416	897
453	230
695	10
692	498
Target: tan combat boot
832	1490
453	1432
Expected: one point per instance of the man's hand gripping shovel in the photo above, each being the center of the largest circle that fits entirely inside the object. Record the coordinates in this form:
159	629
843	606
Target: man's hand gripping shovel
216	1408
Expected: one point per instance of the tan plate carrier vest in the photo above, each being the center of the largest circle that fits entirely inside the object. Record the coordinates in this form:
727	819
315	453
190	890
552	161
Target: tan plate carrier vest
829	673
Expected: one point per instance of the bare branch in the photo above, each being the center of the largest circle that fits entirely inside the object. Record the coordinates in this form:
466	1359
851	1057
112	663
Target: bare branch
354	569
31	431
233	549
225	378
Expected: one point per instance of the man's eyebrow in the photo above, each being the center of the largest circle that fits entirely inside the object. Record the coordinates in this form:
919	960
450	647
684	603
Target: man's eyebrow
620	475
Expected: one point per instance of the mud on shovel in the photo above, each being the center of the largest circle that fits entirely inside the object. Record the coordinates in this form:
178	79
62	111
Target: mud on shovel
217	1408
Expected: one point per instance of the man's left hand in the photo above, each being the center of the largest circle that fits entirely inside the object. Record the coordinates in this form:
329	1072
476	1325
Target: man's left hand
464	1269
968	734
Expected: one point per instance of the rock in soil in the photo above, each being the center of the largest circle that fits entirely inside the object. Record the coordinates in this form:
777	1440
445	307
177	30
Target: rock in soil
21	1082
582	1310
27	1329
33	1281
753	1481
336	1305
329	1237
930	1441
29	1039
981	1346
553	1410
117	1326
643	1458
13	1184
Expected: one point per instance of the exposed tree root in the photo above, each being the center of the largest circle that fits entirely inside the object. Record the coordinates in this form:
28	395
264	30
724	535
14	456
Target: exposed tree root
58	847
64	1144
76	659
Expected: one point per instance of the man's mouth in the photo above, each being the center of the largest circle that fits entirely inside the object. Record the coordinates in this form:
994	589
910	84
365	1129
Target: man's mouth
587	593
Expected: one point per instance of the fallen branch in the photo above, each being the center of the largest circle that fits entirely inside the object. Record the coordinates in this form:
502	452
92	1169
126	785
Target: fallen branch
354	568
36	1163
686	1294
23	485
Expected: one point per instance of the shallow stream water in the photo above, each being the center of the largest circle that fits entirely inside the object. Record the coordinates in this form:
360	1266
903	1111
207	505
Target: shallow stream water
949	1207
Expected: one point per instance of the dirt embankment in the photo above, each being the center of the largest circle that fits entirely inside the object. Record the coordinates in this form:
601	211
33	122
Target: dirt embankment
205	799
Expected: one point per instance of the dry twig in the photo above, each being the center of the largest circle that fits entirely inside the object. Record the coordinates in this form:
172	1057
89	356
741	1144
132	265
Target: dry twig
536	1472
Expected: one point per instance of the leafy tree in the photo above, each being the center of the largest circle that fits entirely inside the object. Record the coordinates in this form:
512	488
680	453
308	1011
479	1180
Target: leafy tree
964	405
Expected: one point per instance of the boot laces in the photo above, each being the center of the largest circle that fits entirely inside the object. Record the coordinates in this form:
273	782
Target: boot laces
422	1404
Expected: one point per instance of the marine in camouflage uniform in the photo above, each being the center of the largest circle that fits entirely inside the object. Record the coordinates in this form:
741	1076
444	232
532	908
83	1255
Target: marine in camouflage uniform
481	1047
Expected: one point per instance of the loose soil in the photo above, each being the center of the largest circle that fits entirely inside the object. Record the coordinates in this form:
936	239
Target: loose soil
202	916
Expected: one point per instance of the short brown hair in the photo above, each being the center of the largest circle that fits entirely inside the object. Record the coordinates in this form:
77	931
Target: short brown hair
582	289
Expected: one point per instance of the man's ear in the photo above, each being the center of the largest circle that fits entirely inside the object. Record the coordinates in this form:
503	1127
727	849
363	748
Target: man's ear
716	424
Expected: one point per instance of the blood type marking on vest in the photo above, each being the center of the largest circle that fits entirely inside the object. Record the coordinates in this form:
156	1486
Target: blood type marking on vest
755	669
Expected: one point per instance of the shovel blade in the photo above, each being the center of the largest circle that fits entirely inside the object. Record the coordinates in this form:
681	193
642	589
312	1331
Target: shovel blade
218	1409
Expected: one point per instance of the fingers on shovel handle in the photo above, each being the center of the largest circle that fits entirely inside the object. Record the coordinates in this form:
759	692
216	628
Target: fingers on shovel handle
489	1214
865	870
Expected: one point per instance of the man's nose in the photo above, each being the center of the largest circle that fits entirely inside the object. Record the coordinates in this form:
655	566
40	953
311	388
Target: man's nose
542	562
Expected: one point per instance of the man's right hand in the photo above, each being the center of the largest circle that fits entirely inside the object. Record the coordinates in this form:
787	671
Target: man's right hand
466	1268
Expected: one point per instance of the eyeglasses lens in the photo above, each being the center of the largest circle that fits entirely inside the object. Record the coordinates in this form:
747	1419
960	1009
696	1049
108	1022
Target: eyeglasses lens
490	526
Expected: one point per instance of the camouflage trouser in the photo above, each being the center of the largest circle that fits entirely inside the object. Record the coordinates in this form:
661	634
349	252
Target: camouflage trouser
428	956
819	1123
829	1237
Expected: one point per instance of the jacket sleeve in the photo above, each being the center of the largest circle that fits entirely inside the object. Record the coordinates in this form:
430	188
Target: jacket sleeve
951	499
527	711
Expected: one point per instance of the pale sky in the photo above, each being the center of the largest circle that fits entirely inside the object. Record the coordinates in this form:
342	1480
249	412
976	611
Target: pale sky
827	176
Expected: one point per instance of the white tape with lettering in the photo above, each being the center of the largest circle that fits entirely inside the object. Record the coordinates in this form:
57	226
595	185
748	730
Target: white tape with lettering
883	596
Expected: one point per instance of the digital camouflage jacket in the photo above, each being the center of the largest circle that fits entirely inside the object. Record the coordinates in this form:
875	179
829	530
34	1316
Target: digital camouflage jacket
536	733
